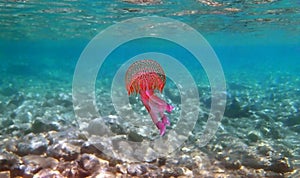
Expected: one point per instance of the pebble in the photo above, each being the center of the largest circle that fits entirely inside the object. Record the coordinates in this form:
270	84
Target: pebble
2	107
135	137
254	136
47	173
34	163
64	100
253	162
64	150
40	125
169	172
5	174
133	100
88	147
98	127
281	165
186	161
107	174
136	169
296	128
233	164
235	109
292	120
32	144
275	133
17	99
7	160
117	129
89	163
121	168
161	161
174	95
70	169
6	122
264	116
8	91
265	150
10	144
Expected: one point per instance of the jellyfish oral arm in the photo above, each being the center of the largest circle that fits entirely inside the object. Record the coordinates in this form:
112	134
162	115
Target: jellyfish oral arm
156	108
143	77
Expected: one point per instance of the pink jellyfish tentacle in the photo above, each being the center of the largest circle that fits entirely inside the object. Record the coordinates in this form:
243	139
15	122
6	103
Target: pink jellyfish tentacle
144	77
156	108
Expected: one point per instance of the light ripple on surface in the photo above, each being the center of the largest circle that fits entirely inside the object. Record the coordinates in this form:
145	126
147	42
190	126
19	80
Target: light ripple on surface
76	19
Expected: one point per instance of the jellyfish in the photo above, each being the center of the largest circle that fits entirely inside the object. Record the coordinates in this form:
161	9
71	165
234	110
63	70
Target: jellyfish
143	77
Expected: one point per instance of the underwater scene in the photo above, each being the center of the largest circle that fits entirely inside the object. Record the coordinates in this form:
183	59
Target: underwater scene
150	88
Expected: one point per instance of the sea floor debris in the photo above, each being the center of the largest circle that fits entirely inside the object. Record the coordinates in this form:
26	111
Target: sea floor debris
257	138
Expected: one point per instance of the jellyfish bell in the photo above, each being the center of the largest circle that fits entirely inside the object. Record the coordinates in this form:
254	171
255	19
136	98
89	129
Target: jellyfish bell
144	77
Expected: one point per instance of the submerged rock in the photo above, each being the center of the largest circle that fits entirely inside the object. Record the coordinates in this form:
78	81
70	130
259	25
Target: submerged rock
61	99
161	161
136	169
6	123
254	162
9	91
273	163
70	169
232	164
296	128
121	168
40	125
235	109
187	161
7	161
88	147
5	174
133	100
32	144
2	107
10	144
264	150
135	137
89	163
17	99
45	173
44	162
64	100
292	120
174	95
34	163
173	172
254	136
280	165
116	128
98	127
63	150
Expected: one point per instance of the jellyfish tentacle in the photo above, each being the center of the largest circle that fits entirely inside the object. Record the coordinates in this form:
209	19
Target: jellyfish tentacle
162	127
156	108
166	120
143	77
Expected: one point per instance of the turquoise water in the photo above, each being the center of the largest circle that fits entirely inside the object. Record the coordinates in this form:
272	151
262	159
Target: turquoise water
257	43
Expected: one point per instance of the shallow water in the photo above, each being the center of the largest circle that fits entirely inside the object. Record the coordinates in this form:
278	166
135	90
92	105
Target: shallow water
257	43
